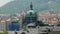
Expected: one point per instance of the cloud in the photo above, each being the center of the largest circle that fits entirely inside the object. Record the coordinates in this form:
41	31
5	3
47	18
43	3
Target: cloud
3	2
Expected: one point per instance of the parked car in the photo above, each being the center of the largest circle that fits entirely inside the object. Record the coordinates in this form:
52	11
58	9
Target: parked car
43	31
31	25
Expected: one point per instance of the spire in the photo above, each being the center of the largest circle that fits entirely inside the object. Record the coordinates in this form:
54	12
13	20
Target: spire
31	6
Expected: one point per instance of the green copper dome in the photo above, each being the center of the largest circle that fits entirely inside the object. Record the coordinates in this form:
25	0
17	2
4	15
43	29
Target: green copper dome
30	11
31	16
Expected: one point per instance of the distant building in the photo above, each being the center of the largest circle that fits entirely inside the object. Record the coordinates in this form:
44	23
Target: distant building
2	25
49	18
31	16
14	25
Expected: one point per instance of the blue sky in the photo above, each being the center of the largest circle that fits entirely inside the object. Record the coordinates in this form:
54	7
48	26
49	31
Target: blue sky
3	2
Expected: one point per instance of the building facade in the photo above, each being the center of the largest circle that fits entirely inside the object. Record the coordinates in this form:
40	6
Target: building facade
14	25
2	25
31	16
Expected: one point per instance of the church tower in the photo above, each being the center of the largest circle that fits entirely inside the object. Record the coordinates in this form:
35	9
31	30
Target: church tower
31	16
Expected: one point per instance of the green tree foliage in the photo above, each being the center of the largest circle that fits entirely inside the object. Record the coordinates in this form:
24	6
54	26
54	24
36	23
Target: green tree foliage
4	32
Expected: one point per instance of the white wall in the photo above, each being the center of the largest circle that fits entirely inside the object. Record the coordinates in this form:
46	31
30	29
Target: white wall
2	26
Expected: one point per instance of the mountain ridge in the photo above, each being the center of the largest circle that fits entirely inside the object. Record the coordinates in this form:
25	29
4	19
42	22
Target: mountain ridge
17	6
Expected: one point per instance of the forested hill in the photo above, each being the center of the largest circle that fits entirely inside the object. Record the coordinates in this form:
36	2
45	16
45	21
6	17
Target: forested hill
17	6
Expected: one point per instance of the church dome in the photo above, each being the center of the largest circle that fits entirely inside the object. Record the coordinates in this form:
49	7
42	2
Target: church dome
30	11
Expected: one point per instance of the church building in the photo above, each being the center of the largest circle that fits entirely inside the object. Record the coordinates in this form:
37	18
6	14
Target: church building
31	16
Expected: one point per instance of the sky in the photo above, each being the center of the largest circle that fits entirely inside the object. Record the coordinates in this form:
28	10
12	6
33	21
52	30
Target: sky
3	2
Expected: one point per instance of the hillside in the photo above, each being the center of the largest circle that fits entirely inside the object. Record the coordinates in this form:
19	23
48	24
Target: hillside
17	6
